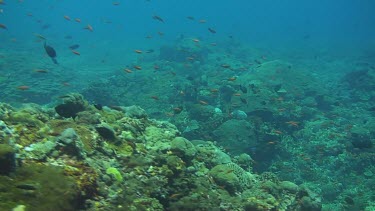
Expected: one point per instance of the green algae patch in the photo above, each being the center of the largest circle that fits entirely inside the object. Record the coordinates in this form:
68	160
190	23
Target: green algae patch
116	174
125	149
24	118
111	116
38	187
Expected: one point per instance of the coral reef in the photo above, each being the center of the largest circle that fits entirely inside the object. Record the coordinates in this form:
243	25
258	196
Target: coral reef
130	162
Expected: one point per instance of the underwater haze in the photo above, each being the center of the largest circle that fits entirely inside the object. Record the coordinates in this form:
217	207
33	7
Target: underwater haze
187	105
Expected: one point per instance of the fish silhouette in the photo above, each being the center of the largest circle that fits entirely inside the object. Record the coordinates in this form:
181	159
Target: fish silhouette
73	47
51	52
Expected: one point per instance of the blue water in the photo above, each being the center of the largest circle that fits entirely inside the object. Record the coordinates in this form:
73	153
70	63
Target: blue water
262	23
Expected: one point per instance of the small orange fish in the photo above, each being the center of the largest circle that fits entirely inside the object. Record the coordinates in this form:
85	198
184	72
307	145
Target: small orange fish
138	51
293	123
187	65
137	67
155	97
89	27
232	78
173	196
203	102
169	114
40	71
237	94
23	88
67	17
279	99
214	90
177	109
76	52
128	70
77	20
3	26
235	105
202	21
278	132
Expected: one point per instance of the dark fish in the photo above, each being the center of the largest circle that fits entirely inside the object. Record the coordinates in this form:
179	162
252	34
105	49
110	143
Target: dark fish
349	200
243	89
26	186
150	51
213	31
190	78
190	18
46	26
51	52
73	47
67	111
306	37
155	17
64	96
68	37
225	65
2	26
98	106
372	109
243	100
